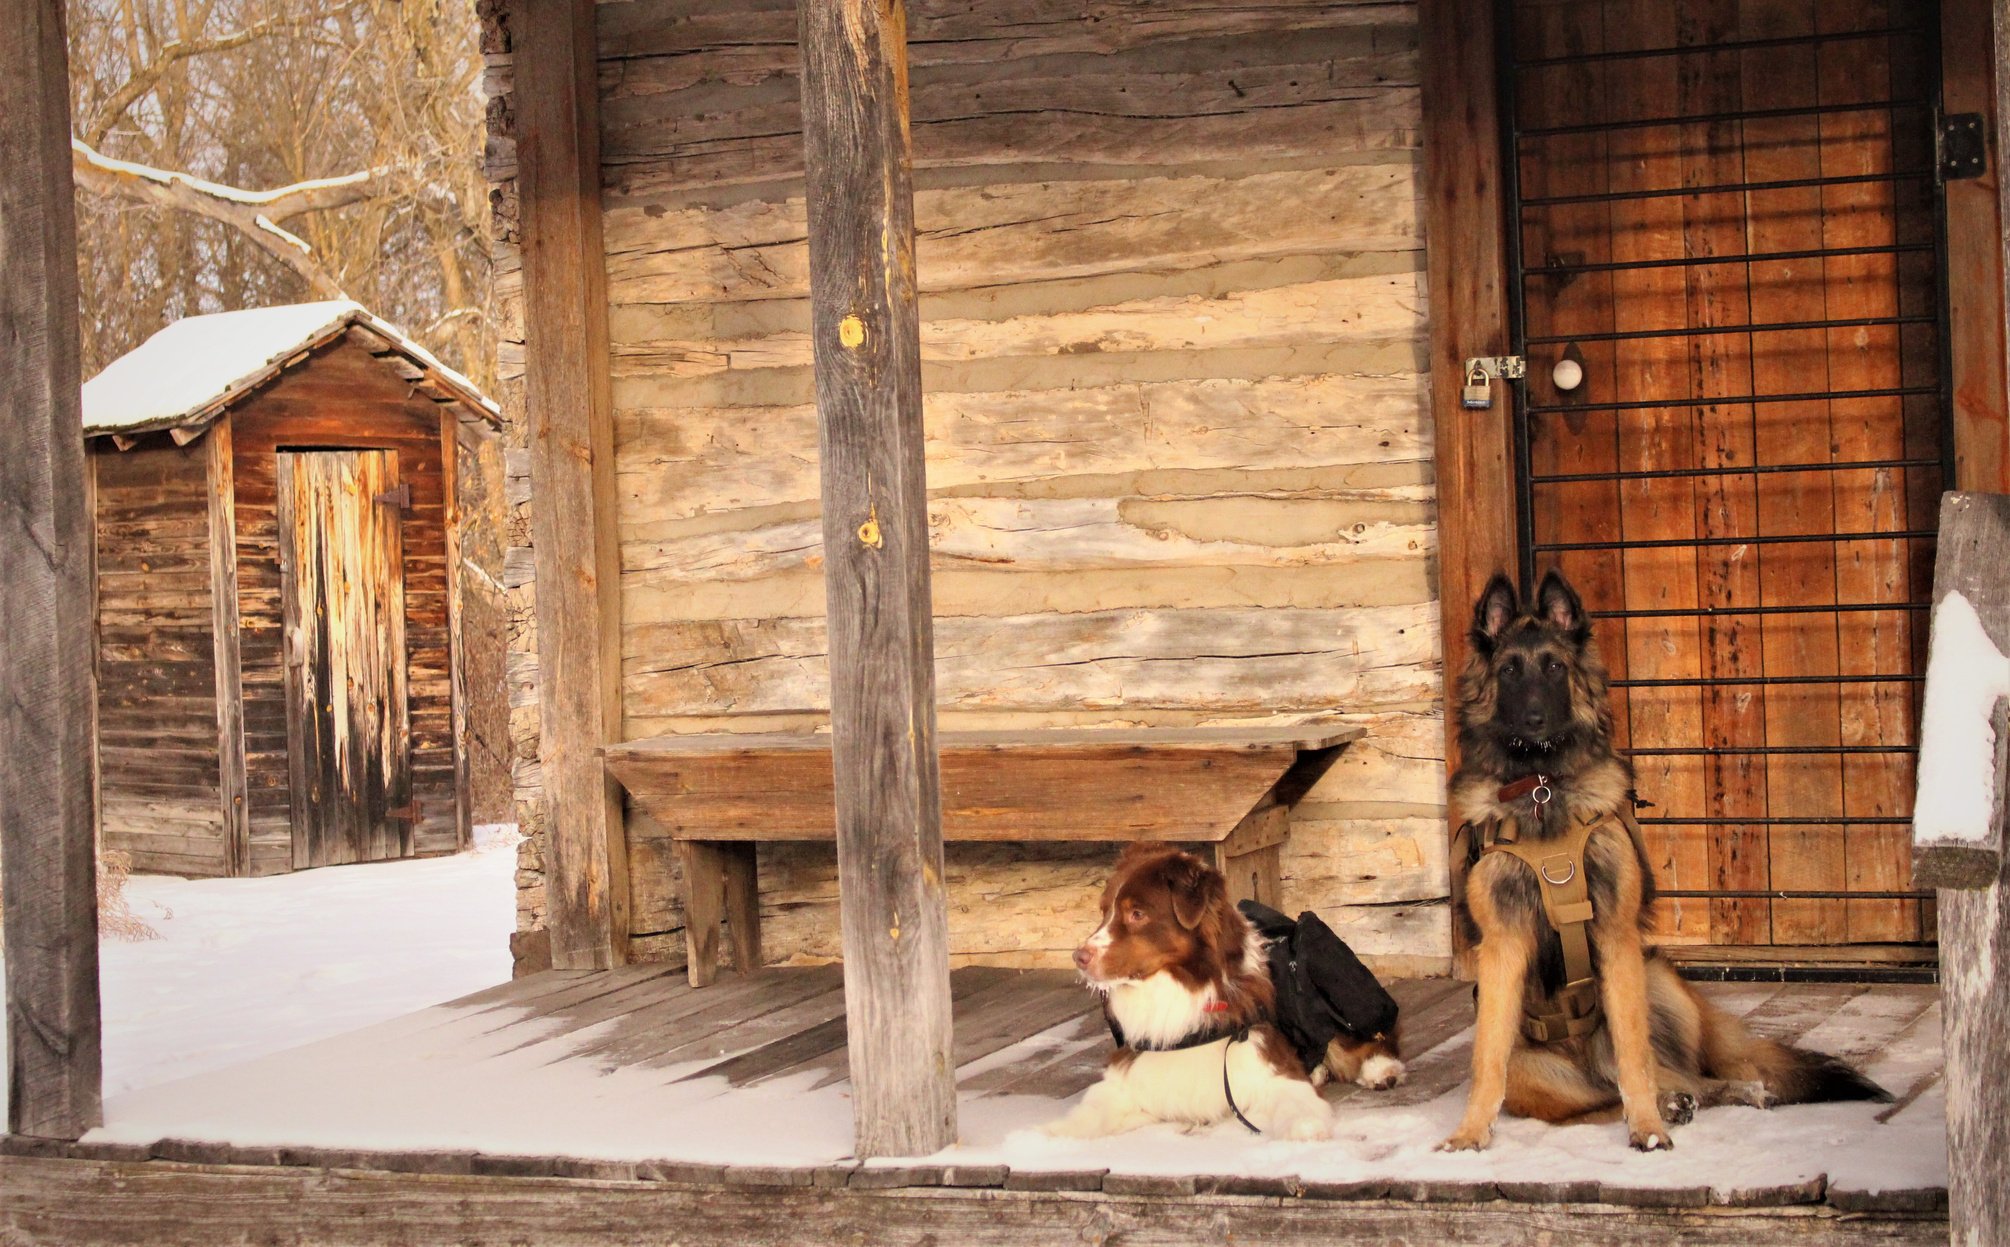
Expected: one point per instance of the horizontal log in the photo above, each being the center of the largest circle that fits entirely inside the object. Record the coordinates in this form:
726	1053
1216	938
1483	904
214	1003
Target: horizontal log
1219	660
947	32
674	464
678	340
1076	533
732	114
1035	231
963	590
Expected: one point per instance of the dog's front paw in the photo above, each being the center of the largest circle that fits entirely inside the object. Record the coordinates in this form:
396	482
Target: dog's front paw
1074	1126
1306	1128
1379	1073
1468	1139
1678	1108
1651	1139
1751	1092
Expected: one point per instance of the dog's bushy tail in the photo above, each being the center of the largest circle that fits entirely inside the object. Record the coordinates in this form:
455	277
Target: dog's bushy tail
1790	1075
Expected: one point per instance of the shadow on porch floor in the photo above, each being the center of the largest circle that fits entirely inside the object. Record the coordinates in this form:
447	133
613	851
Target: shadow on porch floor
634	1066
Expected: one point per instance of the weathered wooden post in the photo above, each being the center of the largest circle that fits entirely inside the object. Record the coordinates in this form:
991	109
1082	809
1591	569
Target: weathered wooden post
568	398
48	854
866	331
1958	848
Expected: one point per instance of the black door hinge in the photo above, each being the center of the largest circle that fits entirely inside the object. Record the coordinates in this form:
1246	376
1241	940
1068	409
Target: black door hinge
399	496
1962	145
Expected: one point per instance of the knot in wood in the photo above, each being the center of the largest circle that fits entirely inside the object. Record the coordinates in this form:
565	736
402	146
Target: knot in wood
868	532
851	332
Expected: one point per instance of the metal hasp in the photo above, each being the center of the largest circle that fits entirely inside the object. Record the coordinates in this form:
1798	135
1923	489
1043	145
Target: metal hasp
1961	146
1482	371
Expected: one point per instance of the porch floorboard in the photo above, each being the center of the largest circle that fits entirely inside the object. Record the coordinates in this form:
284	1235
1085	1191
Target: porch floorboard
618	1072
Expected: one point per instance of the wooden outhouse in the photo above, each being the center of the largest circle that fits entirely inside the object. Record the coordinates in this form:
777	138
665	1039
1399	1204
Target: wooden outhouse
278	652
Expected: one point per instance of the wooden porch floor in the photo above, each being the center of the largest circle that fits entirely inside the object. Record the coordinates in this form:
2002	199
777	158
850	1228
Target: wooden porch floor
632	1073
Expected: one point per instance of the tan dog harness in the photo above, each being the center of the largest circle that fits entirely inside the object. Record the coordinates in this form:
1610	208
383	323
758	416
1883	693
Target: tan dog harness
1558	863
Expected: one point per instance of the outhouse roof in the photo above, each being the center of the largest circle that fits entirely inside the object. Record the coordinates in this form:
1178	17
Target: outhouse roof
193	370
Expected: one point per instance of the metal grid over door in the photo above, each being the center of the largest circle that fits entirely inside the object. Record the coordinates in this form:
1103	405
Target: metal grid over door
1727	213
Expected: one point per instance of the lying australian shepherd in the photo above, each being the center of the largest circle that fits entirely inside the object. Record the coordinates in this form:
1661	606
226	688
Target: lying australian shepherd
1187	992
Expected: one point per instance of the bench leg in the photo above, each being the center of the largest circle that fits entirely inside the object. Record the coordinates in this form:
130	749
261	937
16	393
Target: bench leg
1252	857
1257	875
704	866
743	905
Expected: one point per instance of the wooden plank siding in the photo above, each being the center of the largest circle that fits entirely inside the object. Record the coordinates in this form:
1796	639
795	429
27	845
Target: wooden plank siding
157	675
1178	451
343	399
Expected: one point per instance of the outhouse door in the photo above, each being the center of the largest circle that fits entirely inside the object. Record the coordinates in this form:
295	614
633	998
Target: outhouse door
348	731
1729	223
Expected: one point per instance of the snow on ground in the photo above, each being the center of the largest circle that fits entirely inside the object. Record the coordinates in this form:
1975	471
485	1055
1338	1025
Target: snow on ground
247	967
305	1009
494	1079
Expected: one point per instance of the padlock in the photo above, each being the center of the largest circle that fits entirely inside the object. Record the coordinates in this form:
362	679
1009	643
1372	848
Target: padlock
1479	391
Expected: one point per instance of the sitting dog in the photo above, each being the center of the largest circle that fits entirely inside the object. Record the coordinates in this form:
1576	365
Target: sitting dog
1188	997
1578	1020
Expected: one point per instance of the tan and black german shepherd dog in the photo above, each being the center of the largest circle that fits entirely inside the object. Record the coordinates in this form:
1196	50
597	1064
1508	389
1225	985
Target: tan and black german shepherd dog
1534	702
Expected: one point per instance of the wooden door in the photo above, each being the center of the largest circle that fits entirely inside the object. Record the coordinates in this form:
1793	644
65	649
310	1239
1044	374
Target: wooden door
1728	211
342	576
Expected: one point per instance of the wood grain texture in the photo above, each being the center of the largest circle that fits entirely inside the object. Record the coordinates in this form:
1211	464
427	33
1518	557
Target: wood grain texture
89	1202
236	811
1464	213
1974	920
1171	349
47	821
570	409
349	733
340	397
159	697
865	329
1972	39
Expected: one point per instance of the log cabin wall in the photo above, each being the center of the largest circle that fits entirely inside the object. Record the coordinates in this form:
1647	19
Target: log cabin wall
157	722
1179	450
342	398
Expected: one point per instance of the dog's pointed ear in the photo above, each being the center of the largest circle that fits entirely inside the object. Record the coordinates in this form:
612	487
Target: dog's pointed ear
1195	887
1560	607
1498	606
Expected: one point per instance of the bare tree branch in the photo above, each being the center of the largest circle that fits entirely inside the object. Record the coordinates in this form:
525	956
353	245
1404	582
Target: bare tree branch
148	76
255	214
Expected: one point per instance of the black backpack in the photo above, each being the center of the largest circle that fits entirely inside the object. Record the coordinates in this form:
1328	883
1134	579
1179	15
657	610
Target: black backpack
1323	990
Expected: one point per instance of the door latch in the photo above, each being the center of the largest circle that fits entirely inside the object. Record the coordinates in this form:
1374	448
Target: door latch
1482	371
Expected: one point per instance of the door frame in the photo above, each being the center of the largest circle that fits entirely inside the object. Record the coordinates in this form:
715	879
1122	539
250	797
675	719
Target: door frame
1465	232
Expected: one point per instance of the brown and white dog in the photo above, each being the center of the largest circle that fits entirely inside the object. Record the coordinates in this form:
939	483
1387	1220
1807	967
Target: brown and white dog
1187	991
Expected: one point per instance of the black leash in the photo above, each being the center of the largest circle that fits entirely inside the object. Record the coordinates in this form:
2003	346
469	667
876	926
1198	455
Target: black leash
1234	1034
1224	1082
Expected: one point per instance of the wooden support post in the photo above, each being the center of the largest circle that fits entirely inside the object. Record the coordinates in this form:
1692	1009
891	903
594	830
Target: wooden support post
1974	915
1972	43
866	333
569	398
48	854
1464	226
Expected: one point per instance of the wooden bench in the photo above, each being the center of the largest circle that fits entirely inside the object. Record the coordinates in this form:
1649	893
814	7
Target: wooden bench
718	796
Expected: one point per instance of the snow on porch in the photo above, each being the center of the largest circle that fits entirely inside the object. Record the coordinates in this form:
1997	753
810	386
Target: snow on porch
633	1065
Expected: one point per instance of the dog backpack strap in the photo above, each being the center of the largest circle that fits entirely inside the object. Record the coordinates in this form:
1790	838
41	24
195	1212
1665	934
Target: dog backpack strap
1566	901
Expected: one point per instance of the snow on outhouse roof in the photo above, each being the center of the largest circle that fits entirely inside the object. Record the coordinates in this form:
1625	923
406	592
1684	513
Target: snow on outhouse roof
192	370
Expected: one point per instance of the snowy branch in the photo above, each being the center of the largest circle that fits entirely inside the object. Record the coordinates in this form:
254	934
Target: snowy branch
255	214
